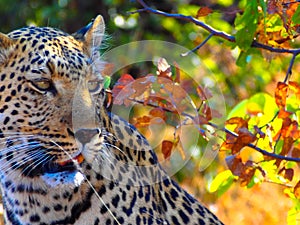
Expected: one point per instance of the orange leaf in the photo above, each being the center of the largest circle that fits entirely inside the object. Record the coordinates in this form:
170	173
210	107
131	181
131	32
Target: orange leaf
240	123
142	121
207	111
247	175
297	190
289	128
287	145
204	11
109	99
283	114
281	94
295	87
296	153
166	148
158	112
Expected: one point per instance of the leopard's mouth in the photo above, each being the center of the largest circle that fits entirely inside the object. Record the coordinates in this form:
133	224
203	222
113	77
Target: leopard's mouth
77	159
52	167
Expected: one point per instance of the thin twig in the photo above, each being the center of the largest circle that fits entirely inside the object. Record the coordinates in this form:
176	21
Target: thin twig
215	32
198	47
289	71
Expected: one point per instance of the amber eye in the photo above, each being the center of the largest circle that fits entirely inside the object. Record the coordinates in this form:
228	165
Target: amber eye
94	86
42	84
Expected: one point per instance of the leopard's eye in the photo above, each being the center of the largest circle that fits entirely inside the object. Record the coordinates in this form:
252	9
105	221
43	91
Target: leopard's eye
94	86
42	85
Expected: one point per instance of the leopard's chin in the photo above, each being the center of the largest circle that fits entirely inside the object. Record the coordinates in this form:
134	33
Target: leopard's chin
64	173
61	179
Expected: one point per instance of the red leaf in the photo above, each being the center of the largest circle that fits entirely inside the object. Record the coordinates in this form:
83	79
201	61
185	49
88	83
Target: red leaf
235	164
244	138
274	6
166	148
287	173
124	81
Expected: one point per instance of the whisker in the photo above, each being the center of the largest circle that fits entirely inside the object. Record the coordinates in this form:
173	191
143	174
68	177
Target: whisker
23	161
43	159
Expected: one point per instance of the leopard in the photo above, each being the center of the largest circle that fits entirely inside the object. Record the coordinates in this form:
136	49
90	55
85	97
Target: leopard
65	158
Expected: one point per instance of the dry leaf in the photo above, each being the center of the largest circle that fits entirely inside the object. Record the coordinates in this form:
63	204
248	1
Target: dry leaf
204	11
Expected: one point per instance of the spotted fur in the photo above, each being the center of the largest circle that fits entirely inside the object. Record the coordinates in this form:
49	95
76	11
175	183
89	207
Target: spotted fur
64	159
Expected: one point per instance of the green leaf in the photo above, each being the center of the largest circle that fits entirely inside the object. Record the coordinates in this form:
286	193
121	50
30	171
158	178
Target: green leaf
296	16
242	59
239	110
246	25
107	81
245	36
293	214
222	182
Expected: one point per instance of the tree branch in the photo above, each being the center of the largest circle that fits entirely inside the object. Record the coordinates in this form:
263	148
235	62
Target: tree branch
199	46
215	32
262	151
230	38
289	71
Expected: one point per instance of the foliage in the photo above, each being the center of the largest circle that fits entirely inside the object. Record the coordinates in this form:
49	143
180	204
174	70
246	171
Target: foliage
251	49
268	125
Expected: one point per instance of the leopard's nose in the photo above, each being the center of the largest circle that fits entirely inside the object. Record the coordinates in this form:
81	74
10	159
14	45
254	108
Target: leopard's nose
85	135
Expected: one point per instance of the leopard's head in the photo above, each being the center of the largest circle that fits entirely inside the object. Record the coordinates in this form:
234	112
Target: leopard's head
50	89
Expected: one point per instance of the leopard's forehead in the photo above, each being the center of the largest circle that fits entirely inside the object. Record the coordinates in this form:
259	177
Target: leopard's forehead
36	32
39	45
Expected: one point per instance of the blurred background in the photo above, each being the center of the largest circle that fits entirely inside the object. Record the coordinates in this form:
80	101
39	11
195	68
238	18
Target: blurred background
262	204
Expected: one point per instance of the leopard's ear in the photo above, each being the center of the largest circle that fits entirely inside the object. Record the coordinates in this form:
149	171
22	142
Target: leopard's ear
6	47
92	35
